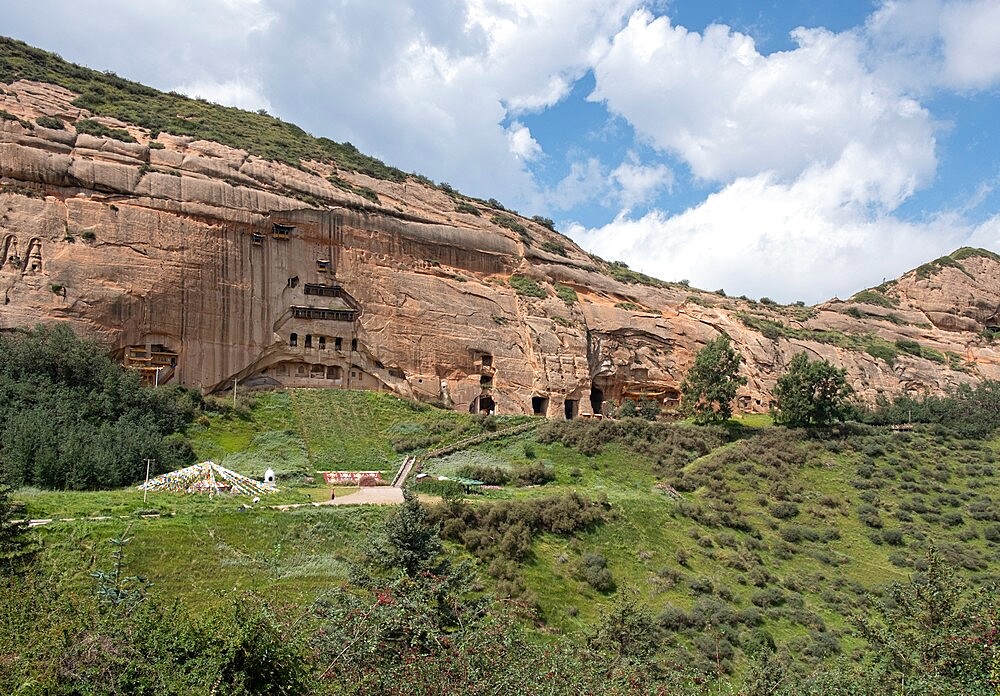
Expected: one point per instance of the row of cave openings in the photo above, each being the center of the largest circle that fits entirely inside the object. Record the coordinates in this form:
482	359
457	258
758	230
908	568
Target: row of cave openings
320	342
571	407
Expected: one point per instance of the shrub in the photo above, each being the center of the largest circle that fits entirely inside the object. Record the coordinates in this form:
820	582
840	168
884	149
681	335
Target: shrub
594	571
952	519
893	537
49	122
702	586
673	619
526	287
535	474
908	346
784	510
566	294
555	248
85	422
92	127
875	297
464	207
545	222
770	597
509	222
490	475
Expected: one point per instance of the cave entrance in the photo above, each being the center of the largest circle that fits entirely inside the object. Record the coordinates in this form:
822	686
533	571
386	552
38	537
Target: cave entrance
485	404
540	405
596	399
671	398
571	408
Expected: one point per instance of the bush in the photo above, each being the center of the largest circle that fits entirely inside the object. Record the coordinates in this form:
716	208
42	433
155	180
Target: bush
490	475
482	528
893	537
526	287
770	597
544	222
535	474
509	222
566	294
908	346
594	571
50	122
784	510
92	127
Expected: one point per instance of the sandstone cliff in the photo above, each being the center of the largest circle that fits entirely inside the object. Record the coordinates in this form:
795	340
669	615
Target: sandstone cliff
204	263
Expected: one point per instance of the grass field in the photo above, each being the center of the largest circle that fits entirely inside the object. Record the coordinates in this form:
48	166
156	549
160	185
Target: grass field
764	534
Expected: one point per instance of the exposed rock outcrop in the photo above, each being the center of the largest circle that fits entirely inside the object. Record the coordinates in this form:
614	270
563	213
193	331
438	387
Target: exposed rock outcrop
205	264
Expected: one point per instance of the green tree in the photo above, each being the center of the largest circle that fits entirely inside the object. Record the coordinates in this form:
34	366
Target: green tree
811	393
932	635
17	548
72	418
410	542
710	386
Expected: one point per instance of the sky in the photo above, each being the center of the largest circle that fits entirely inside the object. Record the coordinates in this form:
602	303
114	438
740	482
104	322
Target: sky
797	150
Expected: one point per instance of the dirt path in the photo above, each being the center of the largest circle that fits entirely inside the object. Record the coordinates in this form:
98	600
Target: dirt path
373	495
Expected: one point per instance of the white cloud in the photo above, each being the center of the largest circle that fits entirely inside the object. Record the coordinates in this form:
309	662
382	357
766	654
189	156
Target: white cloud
987	234
587	180
971	33
927	44
521	143
641	183
426	86
230	93
816	149
760	236
729	111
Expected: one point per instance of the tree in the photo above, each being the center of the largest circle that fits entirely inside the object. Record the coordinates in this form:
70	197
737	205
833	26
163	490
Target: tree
72	418
932	635
811	393
710	386
410	541
17	548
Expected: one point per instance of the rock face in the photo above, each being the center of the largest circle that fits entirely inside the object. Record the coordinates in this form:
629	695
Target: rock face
204	265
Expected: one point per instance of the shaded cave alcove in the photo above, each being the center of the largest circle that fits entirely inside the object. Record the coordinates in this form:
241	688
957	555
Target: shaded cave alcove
571	408
539	405
596	399
483	404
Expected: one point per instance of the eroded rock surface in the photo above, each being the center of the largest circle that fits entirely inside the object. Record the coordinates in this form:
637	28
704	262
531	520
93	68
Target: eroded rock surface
204	264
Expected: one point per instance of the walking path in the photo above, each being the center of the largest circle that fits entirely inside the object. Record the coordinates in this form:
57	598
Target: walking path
367	495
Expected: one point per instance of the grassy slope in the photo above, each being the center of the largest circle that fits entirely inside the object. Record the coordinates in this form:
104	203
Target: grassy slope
819	582
209	547
106	94
202	548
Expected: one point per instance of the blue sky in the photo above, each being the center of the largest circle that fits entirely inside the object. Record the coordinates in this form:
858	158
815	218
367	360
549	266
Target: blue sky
793	149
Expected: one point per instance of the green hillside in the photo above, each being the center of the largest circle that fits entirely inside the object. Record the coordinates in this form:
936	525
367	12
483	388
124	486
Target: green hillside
731	538
106	94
